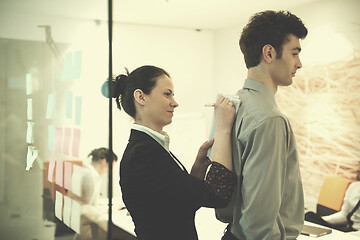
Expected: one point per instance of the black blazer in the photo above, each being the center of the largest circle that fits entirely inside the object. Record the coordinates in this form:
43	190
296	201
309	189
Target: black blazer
160	196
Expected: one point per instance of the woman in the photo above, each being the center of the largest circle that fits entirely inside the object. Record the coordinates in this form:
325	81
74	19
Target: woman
160	195
91	179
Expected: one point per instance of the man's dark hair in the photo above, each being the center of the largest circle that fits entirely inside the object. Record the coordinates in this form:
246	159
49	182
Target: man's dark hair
269	27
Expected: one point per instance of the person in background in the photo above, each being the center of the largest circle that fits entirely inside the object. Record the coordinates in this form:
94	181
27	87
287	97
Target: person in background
348	218
159	193
268	200
92	176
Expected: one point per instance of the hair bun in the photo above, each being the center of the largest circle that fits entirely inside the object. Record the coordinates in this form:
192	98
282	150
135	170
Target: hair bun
119	85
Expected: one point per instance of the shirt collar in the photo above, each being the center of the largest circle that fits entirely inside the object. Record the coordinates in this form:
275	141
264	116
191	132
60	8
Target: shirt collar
261	88
162	139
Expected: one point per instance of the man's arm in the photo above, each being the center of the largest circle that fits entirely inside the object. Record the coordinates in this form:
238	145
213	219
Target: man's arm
264	179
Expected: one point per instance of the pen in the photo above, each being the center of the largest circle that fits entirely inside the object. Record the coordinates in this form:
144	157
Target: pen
210	105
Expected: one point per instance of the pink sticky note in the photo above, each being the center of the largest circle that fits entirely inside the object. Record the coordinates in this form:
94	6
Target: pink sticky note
67	175
51	169
59	173
67	138
76	142
58	140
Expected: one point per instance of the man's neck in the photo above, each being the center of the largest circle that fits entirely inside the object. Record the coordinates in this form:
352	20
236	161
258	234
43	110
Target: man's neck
260	74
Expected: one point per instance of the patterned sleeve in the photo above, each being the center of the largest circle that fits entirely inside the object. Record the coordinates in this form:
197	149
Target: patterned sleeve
221	181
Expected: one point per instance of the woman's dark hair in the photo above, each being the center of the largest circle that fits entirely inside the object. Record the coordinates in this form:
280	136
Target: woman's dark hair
268	27
101	153
143	78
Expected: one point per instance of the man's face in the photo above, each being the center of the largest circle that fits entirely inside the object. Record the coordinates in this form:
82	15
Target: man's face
284	69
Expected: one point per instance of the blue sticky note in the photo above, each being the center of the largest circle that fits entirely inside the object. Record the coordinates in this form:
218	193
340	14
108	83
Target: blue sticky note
68	104
51	137
29	109
66	74
78	106
50	106
29	89
72	66
76	71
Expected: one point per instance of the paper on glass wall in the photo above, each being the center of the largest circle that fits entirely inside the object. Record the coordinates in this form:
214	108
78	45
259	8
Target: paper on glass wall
50	106
67	211
31	156
58	205
29	132
76	180
29	109
29	89
75	216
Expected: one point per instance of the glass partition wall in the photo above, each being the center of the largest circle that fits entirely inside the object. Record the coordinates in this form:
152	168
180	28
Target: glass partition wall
52	115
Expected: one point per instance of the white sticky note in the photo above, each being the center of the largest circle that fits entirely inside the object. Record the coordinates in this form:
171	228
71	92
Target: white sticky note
31	156
58	205
50	106
67	211
59	174
29	132
75	216
29	109
29	89
76	180
237	101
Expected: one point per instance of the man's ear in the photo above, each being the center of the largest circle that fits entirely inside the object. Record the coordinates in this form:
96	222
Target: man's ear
139	97
268	53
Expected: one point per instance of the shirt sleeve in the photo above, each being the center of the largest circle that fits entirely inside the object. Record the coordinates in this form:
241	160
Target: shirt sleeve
220	181
263	179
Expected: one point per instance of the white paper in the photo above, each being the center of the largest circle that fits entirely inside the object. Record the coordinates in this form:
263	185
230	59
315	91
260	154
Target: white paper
76	180
237	101
29	109
58	205
29	133
67	211
31	156
75	216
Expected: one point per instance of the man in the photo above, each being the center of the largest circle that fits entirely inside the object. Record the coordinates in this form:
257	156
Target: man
268	201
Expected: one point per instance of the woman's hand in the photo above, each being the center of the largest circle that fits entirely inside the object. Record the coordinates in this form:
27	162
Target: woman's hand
202	162
224	114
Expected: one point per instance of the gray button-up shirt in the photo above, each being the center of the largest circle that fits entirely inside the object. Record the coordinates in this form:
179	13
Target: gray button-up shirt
268	200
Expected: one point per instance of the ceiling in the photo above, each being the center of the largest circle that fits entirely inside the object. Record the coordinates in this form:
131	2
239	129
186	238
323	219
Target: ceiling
196	14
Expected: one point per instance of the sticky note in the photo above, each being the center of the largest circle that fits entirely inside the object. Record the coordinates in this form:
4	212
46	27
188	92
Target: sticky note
50	106
29	89
68	104
66	73
78	106
59	172
67	211
51	137
76	71
29	109
31	156
72	66
76	181
75	216
67	175
29	132
58	140
67	139
76	142
51	169
58	205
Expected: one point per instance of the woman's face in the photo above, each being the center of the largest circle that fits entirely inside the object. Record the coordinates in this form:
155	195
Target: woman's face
160	104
